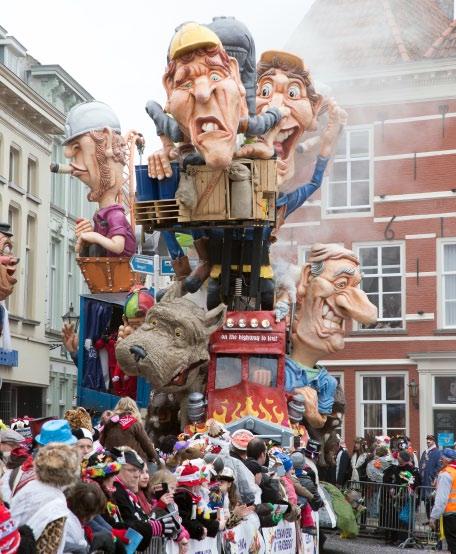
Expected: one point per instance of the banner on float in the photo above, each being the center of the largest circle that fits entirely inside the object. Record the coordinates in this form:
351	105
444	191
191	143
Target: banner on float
280	539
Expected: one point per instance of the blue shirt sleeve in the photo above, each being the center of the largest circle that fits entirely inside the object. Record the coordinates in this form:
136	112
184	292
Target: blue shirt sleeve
295	199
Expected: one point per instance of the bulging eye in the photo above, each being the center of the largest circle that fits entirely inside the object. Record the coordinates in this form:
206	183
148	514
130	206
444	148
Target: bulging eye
187	85
6	250
178	332
294	92
215	77
266	90
153	323
341	284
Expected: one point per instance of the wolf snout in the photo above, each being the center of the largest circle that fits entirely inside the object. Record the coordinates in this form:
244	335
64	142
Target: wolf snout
138	352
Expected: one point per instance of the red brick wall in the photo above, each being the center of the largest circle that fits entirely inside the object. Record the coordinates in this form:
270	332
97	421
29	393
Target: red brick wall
431	174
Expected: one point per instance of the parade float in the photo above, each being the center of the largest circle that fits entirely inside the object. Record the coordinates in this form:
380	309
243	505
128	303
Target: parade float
225	175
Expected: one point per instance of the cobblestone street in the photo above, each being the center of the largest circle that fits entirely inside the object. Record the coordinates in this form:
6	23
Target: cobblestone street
335	544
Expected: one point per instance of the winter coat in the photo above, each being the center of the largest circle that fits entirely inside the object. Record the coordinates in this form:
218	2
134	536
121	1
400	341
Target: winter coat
194	522
430	466
126	430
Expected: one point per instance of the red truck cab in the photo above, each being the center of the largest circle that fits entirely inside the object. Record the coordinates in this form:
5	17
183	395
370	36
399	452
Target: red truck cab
247	374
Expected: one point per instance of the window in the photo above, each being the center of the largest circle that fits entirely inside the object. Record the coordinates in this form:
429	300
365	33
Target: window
58	180
448	284
73	279
228	371
32	177
445	390
14	166
263	370
55	277
29	267
74	207
383	405
349	181
383	282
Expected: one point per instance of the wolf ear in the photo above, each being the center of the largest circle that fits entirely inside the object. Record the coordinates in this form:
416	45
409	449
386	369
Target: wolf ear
214	318
172	292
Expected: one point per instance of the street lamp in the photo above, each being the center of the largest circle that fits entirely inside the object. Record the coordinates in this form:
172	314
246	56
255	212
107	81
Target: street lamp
71	318
413	390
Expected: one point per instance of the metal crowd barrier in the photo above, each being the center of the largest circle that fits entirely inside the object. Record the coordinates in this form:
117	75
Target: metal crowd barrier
397	512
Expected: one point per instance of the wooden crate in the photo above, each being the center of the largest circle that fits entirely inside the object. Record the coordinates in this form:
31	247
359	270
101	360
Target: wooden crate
213	194
158	212
108	274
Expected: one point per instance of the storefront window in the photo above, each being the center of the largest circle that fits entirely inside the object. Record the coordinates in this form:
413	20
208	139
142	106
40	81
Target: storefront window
445	414
445	390
228	371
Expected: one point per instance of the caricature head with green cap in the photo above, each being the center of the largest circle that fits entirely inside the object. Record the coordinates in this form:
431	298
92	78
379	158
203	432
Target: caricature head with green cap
137	304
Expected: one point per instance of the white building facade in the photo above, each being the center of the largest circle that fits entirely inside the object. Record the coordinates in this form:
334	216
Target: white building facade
41	209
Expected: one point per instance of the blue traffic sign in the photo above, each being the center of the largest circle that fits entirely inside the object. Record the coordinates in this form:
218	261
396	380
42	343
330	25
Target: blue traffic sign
166	267
142	264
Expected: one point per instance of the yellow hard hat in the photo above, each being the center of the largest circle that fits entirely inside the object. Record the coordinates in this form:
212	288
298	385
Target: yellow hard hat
190	37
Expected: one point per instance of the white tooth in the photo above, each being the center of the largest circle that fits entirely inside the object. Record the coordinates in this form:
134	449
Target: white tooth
325	309
211	126
204	127
216	127
330	315
327	324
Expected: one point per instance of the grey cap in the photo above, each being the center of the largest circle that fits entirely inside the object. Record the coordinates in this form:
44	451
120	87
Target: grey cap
8	435
298	460
89	116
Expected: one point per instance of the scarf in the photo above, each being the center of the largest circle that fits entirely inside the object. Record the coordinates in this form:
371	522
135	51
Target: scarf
356	462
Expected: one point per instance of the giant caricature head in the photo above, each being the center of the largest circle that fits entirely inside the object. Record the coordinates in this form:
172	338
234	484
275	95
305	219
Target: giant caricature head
205	93
96	148
7	262
283	80
328	293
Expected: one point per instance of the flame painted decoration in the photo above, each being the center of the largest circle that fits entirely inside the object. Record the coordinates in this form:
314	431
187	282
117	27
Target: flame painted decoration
266	410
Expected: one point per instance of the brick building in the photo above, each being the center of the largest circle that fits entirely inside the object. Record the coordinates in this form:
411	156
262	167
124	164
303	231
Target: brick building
391	197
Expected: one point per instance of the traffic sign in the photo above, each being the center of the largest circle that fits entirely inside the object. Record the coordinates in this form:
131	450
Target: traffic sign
142	264
166	267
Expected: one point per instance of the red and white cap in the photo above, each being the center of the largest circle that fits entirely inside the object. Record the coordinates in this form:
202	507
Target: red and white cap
188	475
9	535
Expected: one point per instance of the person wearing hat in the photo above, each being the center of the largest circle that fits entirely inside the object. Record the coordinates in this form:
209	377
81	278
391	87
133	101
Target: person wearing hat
98	154
197	517
9	440
429	467
56	430
445	498
84	441
126	485
40	503
239	441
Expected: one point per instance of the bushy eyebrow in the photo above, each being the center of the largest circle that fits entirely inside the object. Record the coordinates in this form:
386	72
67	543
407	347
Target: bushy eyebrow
186	71
346	270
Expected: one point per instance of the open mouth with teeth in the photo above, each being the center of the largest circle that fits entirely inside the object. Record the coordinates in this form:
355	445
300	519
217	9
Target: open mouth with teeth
207	126
284	142
180	378
331	322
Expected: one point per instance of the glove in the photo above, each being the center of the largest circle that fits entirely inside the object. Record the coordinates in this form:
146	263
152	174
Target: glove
170	527
103	541
120	534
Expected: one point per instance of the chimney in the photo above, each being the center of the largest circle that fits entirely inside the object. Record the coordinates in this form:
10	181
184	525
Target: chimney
447	7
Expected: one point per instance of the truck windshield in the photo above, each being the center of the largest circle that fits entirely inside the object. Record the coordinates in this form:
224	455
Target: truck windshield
228	371
263	370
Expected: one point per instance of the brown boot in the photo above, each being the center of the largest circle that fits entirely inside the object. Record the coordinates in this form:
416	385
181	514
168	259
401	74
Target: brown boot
181	267
202	271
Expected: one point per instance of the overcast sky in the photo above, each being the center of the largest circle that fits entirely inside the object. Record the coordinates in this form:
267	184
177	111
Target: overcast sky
117	49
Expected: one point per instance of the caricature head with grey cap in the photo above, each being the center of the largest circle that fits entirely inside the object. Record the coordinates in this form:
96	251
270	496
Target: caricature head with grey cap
97	150
89	116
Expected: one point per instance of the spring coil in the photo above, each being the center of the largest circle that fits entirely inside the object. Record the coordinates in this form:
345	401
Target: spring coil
238	286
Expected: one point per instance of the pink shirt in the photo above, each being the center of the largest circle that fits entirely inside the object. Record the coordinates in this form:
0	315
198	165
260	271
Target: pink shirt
111	222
